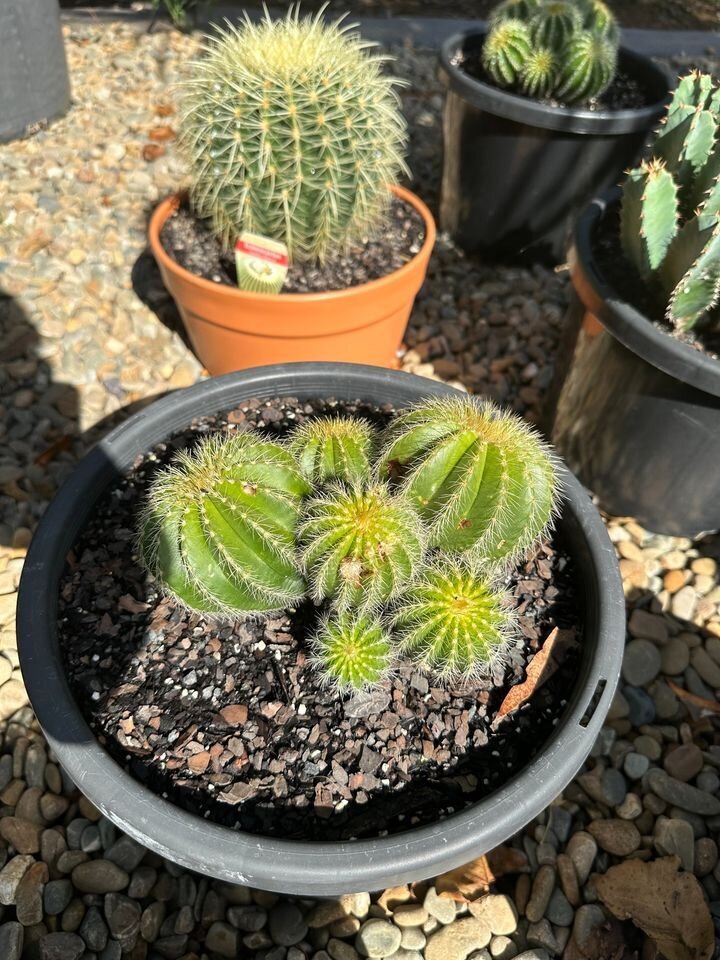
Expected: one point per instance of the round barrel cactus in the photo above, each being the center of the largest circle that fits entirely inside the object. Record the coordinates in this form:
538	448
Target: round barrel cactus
294	132
360	546
452	620
480	477
333	448
218	529
352	651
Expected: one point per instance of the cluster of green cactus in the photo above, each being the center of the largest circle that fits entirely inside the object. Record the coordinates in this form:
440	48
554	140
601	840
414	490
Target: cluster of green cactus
670	216
401	547
552	48
293	132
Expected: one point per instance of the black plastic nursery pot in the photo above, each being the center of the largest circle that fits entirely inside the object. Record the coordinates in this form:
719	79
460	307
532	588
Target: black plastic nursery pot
516	170
638	412
34	83
312	868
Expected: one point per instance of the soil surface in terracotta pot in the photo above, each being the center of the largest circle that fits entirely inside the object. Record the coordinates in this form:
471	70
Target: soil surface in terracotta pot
231	721
624	93
192	244
622	276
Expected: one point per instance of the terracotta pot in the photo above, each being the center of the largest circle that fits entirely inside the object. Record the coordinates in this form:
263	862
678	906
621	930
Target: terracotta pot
232	329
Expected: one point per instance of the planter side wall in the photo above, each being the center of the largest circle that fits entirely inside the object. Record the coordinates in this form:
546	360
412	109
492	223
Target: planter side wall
646	443
34	83
511	190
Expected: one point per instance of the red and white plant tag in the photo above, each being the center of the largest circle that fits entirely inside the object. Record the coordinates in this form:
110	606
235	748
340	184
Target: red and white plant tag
261	263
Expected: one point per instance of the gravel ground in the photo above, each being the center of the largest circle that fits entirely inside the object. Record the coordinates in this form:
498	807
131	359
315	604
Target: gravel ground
77	292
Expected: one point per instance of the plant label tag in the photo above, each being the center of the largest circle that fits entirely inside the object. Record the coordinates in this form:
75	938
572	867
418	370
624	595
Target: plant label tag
261	263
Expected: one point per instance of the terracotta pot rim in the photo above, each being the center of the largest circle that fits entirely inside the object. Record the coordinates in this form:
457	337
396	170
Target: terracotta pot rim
170	204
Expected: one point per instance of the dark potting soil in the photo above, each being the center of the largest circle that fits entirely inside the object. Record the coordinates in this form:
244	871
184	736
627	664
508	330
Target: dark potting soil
625	279
229	720
624	93
191	243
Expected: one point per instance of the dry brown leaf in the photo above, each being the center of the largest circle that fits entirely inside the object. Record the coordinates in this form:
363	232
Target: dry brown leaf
62	443
161	133
164	110
711	705
667	904
37	240
151	151
474	879
131	605
542	666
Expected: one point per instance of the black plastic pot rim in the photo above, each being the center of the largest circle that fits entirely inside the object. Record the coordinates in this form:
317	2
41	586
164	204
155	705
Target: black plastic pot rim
513	106
322	868
626	323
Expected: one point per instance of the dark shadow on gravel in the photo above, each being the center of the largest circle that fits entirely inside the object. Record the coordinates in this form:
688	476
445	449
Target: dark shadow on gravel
38	427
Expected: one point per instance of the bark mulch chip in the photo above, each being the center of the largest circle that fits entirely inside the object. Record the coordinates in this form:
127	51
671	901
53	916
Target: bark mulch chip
229	720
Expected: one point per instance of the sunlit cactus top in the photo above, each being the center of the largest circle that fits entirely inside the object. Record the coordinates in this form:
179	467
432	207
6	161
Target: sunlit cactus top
293	131
552	48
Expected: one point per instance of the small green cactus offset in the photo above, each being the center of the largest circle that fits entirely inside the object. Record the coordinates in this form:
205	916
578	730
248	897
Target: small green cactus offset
219	527
293	131
670	214
333	448
452	621
552	48
360	546
398	547
352	651
480	477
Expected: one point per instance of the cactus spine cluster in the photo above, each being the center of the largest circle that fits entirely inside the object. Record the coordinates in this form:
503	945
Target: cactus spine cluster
401	550
293	132
352	650
333	448
670	215
360	545
560	48
481	479
452	620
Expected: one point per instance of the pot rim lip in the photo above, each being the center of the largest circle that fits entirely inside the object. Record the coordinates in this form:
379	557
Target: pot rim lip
325	867
167	206
525	110
629	325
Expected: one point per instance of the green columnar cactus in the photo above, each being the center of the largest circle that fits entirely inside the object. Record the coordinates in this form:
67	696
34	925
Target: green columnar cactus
352	651
554	48
670	215
539	75
506	51
589	63
453	621
293	132
554	23
333	448
480	477
360	546
219	527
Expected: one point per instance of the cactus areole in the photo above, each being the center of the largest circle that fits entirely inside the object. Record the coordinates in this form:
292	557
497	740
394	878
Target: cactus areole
216	534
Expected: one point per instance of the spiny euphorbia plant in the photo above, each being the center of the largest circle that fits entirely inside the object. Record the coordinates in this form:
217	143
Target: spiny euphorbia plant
293	132
670	216
552	48
400	550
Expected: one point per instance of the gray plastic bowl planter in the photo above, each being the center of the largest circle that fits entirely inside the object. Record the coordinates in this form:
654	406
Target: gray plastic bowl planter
638	413
34	84
313	869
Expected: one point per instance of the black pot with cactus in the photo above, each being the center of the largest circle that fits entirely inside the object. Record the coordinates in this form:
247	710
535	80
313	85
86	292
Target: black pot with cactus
544	108
291	606
637	414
